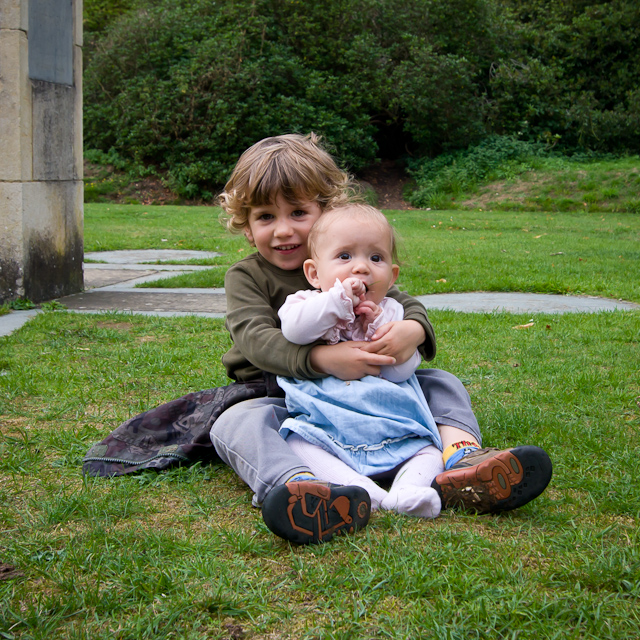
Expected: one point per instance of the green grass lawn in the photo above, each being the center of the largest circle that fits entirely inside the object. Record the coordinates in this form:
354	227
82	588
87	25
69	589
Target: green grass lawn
182	554
576	253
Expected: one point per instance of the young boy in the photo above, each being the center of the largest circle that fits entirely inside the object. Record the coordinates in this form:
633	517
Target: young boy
277	191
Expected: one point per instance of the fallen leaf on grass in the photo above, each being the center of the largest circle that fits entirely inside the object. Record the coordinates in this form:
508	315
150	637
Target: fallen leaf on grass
524	326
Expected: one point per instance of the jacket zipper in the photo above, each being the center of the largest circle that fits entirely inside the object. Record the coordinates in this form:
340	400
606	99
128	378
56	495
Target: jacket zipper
137	463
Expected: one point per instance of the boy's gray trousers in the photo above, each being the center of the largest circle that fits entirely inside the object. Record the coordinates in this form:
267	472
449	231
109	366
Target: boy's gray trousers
246	435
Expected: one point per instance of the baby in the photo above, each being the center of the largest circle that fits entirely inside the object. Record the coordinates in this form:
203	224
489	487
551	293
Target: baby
351	431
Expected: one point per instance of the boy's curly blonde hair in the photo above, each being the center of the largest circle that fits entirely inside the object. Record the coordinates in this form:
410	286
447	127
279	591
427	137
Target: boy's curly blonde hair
291	165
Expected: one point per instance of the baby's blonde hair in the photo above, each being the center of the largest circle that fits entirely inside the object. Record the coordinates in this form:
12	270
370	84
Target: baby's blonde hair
359	210
293	166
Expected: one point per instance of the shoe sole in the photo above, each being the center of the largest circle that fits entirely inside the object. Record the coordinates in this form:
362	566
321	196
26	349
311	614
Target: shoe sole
506	481
308	512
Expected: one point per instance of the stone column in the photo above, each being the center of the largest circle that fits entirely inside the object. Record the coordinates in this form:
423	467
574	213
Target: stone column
41	189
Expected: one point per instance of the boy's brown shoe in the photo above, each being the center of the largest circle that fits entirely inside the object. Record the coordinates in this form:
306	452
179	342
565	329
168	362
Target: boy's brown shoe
311	511
494	480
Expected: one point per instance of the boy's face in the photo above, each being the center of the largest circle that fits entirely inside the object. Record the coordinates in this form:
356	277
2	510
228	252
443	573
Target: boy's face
353	248
279	231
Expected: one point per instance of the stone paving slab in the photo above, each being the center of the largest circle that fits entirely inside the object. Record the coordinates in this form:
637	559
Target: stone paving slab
91	266
211	303
488	302
97	278
14	320
118	276
141	300
136	256
111	288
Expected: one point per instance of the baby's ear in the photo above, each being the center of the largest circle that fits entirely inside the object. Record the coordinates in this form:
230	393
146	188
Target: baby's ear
311	273
395	271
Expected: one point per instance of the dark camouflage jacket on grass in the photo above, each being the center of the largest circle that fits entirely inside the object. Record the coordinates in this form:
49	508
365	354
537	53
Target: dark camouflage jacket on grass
172	434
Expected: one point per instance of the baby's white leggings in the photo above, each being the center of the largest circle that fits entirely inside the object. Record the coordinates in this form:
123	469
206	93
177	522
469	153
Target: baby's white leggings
410	493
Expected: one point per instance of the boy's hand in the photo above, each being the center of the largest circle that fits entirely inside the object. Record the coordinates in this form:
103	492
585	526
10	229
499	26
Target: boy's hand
370	310
348	360
355	289
399	339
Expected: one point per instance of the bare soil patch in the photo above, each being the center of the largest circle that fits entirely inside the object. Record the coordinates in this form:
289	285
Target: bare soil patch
9	572
119	326
388	180
148	190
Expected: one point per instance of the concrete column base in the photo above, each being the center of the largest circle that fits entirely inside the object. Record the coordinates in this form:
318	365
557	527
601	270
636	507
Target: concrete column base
41	188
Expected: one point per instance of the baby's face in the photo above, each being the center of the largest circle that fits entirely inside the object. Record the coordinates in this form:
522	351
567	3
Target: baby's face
351	248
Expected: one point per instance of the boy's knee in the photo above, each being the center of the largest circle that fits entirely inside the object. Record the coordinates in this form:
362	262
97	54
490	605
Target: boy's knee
269	412
438	379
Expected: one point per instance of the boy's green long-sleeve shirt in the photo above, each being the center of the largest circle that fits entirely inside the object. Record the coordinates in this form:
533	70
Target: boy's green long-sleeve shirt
255	290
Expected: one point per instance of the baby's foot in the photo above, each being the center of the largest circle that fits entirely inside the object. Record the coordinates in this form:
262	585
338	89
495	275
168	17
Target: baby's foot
419	502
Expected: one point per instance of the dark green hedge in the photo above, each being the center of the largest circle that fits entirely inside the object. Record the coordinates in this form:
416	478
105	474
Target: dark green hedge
574	76
186	86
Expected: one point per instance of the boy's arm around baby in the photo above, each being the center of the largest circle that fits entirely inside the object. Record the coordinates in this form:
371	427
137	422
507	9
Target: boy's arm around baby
254	292
392	311
413	310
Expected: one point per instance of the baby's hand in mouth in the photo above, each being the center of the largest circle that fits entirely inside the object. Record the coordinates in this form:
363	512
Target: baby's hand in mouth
355	289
